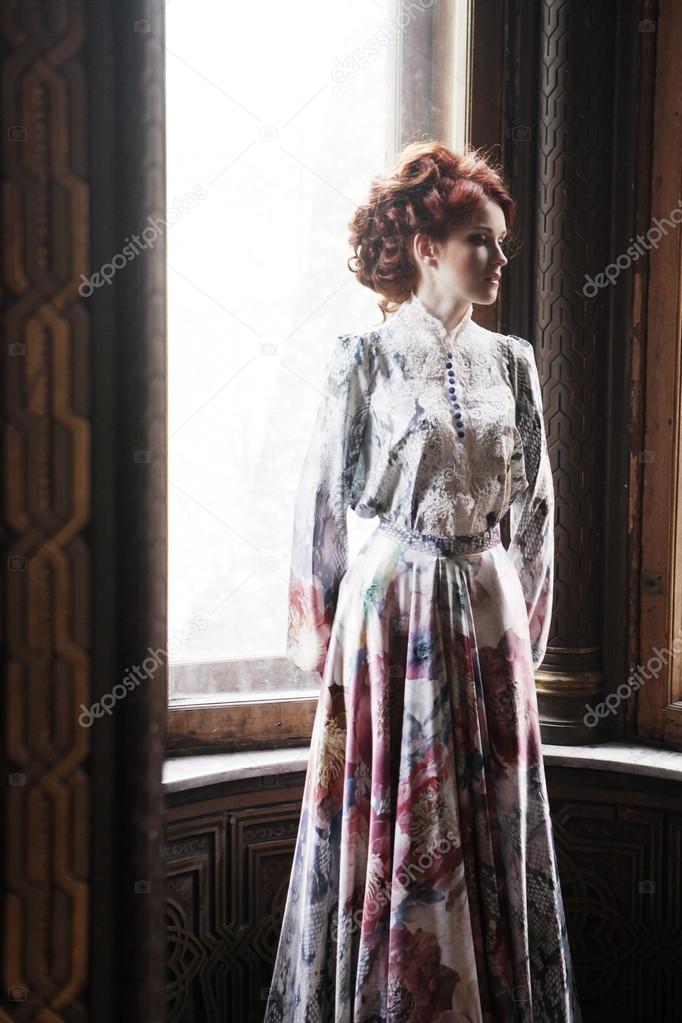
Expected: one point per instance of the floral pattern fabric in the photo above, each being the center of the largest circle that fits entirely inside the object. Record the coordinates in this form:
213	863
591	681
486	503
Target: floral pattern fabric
425	886
437	432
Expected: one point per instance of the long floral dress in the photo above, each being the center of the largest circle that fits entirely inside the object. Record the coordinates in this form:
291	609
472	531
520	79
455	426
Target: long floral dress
424	886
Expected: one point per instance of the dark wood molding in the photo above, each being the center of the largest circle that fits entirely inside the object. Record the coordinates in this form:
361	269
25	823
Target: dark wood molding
657	458
83	518
617	838
234	725
575	85
427	79
135	132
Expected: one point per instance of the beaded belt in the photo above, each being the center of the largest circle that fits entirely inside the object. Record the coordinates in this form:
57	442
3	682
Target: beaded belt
474	543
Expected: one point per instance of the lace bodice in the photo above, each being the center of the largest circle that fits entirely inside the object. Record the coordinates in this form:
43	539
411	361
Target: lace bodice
438	431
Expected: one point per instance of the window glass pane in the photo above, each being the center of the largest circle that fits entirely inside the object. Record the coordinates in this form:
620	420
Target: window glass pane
276	121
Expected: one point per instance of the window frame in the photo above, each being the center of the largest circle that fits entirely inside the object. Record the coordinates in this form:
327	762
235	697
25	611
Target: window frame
659	704
215	723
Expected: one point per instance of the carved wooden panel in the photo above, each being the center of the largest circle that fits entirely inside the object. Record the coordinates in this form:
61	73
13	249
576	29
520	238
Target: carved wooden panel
572	239
565	72
83	521
46	511
619	848
227	880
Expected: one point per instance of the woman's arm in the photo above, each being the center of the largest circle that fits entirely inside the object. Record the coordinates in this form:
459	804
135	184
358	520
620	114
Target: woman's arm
532	512
320	542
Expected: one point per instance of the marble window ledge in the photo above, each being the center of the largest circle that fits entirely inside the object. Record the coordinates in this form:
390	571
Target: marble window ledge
180	773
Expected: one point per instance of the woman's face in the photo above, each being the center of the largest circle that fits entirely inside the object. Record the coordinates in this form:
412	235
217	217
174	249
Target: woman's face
462	265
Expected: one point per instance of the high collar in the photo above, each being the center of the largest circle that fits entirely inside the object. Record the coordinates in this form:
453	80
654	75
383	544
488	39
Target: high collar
413	310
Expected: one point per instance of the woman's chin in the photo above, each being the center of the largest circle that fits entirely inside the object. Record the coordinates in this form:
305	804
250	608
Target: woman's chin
487	295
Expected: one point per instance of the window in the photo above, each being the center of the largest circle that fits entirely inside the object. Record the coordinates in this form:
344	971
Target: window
275	123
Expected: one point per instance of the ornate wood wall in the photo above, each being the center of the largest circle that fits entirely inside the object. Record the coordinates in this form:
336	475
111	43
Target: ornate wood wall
83	516
569	89
228	858
84	527
618	839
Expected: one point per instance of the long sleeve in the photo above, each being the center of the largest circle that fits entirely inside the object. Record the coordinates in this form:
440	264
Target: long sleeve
319	557
532	511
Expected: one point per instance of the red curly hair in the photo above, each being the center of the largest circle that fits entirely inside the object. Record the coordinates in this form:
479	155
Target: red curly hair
431	189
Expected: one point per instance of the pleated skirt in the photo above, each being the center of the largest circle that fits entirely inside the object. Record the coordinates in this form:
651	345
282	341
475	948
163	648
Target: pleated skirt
424	886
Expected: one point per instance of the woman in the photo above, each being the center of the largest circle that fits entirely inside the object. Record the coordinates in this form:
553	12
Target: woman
424	886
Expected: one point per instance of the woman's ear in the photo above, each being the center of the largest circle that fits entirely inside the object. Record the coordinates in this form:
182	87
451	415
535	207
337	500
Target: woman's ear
424	249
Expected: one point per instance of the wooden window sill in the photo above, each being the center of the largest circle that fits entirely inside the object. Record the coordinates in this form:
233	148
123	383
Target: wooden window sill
192	772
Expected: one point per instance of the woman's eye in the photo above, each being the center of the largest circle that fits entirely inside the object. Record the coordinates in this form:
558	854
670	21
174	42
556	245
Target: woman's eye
482	239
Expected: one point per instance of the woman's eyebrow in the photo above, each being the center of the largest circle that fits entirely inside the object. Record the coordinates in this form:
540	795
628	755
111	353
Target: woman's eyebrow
486	228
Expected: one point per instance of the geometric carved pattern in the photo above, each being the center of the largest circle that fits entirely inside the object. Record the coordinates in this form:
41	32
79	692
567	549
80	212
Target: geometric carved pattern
620	860
572	238
83	524
619	850
47	670
227	880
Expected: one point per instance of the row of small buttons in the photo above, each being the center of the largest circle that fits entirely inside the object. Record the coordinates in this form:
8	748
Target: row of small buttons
453	395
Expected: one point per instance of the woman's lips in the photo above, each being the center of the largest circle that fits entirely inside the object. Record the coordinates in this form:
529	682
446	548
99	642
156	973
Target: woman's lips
493	279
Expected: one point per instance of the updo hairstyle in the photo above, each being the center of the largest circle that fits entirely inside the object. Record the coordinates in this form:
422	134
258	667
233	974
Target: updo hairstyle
431	189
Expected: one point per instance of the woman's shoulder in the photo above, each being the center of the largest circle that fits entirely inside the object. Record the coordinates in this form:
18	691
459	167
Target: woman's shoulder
523	368
520	354
351	355
518	344
363	341
359	347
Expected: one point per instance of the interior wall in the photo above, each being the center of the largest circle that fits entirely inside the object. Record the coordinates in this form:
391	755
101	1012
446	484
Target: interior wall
562	93
84	513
